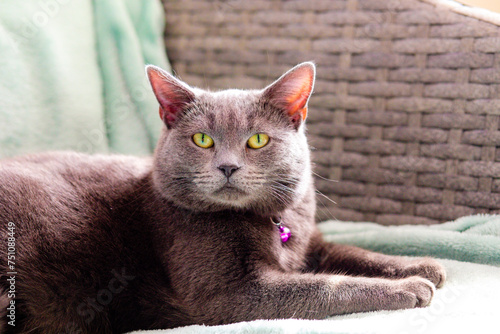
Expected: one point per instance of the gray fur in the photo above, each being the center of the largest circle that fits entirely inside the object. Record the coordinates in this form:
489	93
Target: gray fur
169	243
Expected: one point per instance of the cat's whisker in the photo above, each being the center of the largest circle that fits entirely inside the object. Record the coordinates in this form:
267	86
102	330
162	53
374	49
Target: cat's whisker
288	184
281	194
282	190
281	185
326	211
324	196
193	174
324	178
276	189
322	207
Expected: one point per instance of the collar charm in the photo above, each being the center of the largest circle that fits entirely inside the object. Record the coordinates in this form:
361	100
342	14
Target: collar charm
285	232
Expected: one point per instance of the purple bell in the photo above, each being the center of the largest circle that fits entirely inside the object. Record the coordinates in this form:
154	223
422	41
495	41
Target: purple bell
285	233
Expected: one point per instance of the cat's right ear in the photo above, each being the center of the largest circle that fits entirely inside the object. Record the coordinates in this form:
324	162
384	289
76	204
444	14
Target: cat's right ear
172	94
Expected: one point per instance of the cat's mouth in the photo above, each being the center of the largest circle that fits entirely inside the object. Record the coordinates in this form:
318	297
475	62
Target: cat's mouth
230	192
230	188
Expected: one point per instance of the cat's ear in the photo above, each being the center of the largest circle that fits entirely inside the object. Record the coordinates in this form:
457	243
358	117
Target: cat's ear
291	92
172	94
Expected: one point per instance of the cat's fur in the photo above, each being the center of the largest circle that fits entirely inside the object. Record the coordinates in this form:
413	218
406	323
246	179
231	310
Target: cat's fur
108	244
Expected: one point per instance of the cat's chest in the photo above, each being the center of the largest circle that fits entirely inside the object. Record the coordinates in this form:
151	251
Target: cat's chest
231	243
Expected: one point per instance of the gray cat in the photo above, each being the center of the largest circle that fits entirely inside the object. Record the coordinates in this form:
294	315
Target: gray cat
217	228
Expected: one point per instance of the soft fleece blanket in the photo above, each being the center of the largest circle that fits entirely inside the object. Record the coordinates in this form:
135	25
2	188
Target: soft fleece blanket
469	248
72	75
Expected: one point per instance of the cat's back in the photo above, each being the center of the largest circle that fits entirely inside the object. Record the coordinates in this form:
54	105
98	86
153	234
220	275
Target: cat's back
55	183
64	168
114	167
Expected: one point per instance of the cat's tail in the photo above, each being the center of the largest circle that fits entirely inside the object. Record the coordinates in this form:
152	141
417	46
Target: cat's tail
4	303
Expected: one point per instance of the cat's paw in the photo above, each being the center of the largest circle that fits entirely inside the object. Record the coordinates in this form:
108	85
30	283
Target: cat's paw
415	292
427	268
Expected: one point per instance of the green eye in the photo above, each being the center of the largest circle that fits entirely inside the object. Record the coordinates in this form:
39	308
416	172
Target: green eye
258	140
203	140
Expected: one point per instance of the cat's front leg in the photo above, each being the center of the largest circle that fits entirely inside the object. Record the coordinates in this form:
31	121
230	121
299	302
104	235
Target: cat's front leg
277	295
335	258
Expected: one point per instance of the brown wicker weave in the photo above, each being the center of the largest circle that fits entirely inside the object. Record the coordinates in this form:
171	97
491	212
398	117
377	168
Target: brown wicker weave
406	108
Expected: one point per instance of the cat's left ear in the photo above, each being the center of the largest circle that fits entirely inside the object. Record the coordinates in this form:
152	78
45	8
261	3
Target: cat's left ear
172	94
291	92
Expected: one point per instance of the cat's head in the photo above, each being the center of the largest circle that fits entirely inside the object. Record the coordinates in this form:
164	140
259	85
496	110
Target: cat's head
233	149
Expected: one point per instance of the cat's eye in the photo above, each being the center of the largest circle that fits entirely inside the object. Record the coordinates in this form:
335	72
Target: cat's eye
258	140
203	140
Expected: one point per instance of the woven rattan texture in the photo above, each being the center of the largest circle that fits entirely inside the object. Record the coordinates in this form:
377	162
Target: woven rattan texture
406	108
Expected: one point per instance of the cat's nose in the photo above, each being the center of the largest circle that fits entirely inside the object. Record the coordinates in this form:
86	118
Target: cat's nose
228	170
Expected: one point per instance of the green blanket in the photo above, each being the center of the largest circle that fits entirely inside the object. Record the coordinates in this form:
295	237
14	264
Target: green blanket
469	248
72	78
472	239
